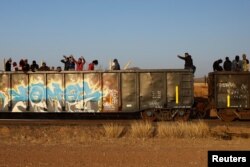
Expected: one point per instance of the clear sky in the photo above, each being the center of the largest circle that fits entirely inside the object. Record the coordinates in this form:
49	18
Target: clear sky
149	33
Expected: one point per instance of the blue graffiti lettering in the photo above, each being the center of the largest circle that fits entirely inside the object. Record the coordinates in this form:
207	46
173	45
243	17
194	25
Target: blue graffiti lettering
73	93
21	94
37	93
56	93
91	94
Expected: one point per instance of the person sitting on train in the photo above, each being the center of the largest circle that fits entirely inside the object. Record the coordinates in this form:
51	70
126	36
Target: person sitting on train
245	63
34	66
44	67
21	64
188	61
237	64
115	65
26	66
217	66
227	64
15	66
92	65
58	69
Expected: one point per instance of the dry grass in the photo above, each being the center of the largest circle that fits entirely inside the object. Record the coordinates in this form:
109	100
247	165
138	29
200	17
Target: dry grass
142	129
183	129
113	130
79	134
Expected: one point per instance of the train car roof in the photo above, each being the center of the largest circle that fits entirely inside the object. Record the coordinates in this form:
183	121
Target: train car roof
101	71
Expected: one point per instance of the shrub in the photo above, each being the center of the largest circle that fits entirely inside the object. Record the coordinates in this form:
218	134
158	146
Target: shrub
183	129
113	130
142	129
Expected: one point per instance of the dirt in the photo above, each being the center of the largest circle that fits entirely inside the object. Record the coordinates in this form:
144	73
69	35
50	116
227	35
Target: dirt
53	146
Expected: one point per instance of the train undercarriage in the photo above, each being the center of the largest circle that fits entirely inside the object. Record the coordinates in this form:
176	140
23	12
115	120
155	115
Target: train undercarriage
229	114
166	114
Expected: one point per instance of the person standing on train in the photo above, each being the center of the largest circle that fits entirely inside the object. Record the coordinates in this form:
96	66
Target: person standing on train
92	65
227	64
245	63
237	64
66	62
80	63
71	63
115	65
188	61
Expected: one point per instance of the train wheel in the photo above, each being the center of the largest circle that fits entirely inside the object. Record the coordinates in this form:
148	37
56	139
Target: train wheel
148	115
227	115
182	115
162	115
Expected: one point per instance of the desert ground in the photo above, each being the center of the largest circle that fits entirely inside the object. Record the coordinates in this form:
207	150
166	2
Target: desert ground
79	144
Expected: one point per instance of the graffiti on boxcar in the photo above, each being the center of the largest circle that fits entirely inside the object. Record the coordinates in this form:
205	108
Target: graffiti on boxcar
80	98
110	100
226	85
4	100
37	97
40	97
238	92
155	104
110	92
55	97
233	89
156	99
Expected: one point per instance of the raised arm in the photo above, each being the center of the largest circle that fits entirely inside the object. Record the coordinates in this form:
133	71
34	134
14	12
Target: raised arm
181	57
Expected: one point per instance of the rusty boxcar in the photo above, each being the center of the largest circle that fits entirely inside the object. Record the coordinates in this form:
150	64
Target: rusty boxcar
229	94
164	94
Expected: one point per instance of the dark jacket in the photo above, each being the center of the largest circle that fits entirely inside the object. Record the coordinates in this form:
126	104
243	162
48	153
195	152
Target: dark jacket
66	64
188	61
217	66
34	67
8	66
116	65
227	65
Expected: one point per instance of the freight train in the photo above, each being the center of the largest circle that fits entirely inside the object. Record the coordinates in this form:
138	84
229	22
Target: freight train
156	94
229	95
